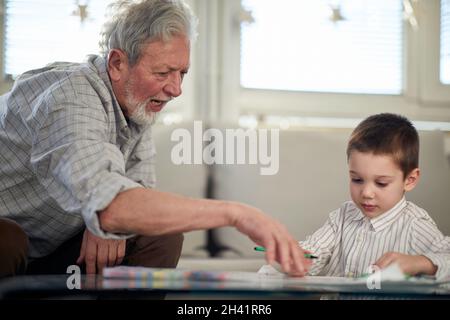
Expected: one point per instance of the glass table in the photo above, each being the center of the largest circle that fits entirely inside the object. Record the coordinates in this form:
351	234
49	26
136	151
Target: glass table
97	287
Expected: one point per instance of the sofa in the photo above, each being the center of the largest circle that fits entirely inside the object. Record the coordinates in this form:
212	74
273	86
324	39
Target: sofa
312	180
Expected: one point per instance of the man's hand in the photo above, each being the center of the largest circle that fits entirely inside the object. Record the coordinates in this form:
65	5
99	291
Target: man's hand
274	237
409	264
98	253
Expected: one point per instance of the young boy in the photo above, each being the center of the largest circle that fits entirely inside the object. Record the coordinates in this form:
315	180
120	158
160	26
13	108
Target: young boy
379	227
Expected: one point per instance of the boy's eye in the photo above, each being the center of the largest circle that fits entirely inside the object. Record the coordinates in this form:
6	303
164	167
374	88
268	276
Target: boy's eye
357	180
381	184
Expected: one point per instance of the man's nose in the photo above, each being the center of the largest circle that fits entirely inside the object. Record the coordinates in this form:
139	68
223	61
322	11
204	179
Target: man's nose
173	86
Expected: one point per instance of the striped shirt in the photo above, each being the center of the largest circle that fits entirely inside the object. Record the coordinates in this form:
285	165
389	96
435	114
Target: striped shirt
349	242
66	151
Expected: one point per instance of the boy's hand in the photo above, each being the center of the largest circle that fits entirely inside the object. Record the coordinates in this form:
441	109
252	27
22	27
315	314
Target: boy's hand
409	264
308	264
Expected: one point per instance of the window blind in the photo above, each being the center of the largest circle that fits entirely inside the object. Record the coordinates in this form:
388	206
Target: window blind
445	41
295	45
39	32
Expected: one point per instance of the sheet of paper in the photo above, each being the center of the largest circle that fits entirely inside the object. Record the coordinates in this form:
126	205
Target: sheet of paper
391	280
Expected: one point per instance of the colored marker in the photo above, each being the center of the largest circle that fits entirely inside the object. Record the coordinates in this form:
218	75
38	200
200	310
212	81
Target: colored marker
306	255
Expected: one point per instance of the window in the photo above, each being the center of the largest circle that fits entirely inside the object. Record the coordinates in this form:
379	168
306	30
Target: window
332	59
304	45
38	32
42	31
370	61
445	42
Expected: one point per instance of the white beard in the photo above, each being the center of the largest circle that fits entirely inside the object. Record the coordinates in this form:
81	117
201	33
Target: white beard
141	117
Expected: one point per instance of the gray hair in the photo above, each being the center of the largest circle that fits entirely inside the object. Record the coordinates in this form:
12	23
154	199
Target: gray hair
135	23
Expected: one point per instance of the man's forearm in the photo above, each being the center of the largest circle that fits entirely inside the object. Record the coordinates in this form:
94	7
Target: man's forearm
151	212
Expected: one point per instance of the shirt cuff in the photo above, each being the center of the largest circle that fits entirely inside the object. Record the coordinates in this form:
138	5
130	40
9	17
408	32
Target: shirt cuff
317	264
442	261
100	197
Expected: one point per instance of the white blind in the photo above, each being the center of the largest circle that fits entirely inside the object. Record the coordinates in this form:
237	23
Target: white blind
445	41
293	45
39	32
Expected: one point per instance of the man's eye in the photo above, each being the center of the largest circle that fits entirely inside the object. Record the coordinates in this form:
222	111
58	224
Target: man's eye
163	74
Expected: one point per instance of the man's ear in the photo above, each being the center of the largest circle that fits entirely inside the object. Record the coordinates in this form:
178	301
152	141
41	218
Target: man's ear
117	64
412	179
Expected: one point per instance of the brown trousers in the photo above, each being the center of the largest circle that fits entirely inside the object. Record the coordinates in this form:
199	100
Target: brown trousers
157	251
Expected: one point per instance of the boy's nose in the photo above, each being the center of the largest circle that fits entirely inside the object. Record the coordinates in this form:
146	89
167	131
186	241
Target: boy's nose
367	192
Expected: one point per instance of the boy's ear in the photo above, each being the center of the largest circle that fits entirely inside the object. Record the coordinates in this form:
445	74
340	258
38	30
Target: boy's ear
412	179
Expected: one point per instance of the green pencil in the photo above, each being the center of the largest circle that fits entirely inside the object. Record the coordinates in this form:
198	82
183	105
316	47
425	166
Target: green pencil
307	255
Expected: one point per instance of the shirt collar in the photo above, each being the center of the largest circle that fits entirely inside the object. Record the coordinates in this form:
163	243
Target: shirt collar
387	218
383	220
355	214
100	64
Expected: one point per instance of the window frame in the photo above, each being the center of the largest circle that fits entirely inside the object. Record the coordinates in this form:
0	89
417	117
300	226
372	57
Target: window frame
434	91
5	84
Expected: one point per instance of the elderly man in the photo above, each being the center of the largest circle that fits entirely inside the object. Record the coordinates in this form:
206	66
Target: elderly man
76	167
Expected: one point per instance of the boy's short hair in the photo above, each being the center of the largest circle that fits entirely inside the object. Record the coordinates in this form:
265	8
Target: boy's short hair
387	134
